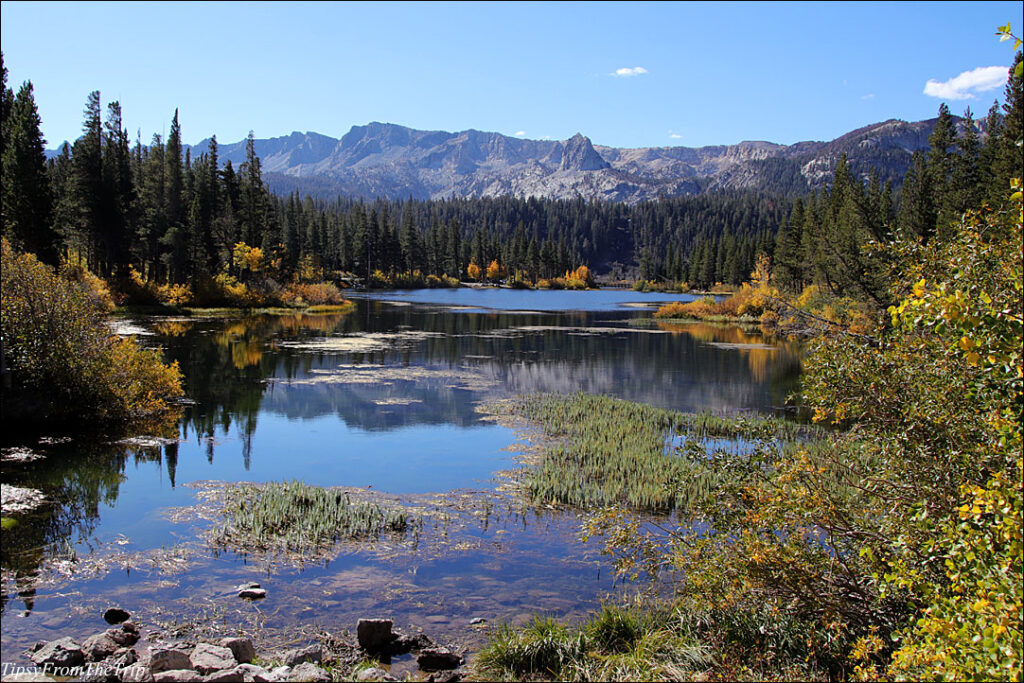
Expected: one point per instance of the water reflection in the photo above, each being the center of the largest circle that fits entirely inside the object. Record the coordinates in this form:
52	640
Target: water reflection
384	396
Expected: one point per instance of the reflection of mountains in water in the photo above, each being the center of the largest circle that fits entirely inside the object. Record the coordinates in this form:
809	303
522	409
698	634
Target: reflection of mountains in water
381	397
693	376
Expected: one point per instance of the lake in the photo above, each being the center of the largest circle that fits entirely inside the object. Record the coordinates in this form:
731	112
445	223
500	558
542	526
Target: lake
387	398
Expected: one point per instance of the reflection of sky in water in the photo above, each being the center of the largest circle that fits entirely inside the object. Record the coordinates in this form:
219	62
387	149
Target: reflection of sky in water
470	299
275	401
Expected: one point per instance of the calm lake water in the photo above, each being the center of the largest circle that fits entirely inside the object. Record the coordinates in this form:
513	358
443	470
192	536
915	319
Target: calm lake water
383	397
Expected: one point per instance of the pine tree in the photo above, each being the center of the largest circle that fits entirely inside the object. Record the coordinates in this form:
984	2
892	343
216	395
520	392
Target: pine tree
87	159
117	228
66	210
788	260
918	216
941	159
1008	162
412	247
252	196
27	202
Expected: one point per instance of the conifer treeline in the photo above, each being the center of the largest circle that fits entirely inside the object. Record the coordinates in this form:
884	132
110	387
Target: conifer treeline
826	239
176	218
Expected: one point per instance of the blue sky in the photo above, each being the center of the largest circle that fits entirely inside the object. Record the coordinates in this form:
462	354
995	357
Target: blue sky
624	74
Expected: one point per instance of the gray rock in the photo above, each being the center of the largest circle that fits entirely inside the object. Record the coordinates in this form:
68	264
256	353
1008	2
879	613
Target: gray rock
477	620
127	634
308	671
59	653
116	615
232	675
252	593
34	676
123	657
403	644
135	673
247	584
168	659
98	674
281	673
257	674
241	648
310	653
206	658
374	634
99	647
177	676
438	659
445	677
372	674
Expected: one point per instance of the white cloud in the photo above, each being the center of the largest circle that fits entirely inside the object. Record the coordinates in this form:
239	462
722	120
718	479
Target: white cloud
626	71
675	136
964	86
869	96
520	133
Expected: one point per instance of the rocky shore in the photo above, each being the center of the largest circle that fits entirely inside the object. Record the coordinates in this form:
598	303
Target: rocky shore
125	653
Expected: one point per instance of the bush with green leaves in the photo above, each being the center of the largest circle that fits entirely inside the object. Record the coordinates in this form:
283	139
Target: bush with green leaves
67	367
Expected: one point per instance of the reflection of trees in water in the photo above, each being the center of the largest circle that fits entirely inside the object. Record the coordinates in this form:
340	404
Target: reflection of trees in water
680	370
76	481
227	365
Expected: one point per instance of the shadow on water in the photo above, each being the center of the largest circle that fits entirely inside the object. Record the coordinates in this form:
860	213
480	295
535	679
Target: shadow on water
384	397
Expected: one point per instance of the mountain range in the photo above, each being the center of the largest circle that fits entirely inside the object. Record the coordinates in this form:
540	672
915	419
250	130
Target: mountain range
396	162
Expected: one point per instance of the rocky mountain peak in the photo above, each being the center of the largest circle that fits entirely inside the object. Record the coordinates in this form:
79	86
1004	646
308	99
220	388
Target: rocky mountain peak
579	155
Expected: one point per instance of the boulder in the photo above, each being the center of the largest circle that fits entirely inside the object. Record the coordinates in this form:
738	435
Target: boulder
123	656
232	675
241	648
252	593
403	644
116	615
374	634
127	634
177	676
374	674
310	653
308	671
438	659
59	654
134	673
25	676
98	674
281	673
445	677
207	658
99	647
168	659
257	674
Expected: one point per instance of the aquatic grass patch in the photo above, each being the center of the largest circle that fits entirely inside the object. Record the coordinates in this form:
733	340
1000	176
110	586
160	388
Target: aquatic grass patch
297	518
601	451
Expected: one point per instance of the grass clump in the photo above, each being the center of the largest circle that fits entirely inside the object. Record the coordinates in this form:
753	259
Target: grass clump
619	643
66	365
606	451
544	648
297	518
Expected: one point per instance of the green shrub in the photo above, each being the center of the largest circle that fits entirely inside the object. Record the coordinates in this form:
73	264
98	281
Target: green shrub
66	364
